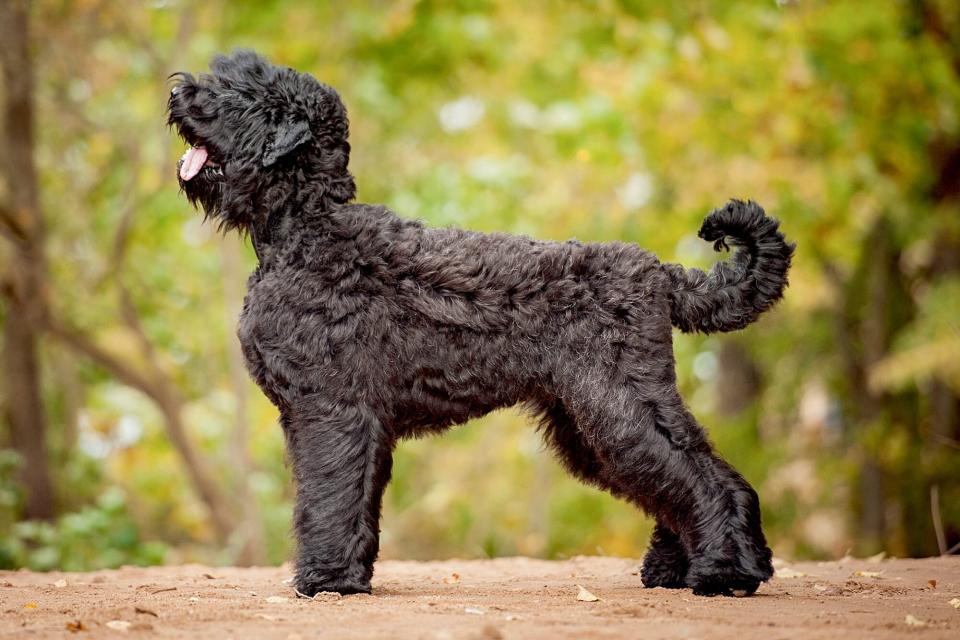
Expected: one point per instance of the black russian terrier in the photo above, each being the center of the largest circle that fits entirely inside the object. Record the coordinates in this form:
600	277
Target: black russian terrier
363	328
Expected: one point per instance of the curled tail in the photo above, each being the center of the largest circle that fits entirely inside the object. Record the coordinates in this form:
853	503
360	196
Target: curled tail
735	292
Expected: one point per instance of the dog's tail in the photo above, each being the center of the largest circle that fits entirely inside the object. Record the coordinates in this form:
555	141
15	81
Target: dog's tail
735	292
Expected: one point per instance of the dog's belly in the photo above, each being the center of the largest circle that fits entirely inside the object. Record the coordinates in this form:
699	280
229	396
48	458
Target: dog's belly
449	378
430	409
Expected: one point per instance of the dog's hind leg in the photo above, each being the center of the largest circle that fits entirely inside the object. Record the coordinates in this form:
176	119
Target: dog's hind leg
653	453
665	563
731	557
669	465
341	458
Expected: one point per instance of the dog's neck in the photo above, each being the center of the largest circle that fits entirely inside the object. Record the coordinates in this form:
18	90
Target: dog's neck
273	225
265	234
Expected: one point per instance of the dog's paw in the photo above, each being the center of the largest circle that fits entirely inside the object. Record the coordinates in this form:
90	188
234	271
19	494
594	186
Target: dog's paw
653	574
728	576
723	585
309	583
665	564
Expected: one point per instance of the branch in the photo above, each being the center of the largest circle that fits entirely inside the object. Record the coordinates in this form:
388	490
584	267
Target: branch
82	343
132	319
170	405
10	228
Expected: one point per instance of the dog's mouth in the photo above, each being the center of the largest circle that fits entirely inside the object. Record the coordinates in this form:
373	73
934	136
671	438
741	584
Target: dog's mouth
197	159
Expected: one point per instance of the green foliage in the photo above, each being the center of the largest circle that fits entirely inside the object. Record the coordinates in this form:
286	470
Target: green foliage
98	536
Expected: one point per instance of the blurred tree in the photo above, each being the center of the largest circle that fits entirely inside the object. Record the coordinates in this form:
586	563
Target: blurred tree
26	292
23	282
151	377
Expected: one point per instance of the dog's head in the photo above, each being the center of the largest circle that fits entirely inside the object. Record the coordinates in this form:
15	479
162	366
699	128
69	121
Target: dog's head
259	135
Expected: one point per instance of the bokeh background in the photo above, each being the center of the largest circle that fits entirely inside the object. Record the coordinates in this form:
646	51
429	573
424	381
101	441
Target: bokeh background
131	433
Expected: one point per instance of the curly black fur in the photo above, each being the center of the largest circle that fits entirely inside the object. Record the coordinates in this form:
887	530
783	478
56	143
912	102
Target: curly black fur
364	328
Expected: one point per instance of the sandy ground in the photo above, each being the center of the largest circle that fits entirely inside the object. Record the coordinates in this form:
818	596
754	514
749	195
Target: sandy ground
486	599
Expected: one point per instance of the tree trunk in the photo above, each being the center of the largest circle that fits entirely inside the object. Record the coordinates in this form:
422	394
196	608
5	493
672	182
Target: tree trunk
875	339
738	384
23	287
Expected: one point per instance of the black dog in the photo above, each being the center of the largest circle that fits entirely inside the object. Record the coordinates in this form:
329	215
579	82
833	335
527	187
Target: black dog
364	328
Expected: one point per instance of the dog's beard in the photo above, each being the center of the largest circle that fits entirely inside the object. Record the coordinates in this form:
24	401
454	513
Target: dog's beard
204	189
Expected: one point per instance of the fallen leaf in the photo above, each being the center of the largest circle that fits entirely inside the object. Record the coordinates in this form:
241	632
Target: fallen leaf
955	603
118	625
146	612
787	572
932	583
75	626
30	605
453	578
820	587
586	596
868	574
474	610
277	600
60	584
914	622
878	557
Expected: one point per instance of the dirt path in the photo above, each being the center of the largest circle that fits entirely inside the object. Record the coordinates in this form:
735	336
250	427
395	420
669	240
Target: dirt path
506	598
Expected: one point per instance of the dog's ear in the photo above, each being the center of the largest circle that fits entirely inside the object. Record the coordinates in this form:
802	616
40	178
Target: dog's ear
290	134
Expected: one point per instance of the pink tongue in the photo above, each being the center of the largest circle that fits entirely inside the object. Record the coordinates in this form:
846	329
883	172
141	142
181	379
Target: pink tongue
193	161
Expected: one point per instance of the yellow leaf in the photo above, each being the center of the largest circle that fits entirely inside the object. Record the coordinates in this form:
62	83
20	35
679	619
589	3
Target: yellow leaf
914	622
868	574
586	596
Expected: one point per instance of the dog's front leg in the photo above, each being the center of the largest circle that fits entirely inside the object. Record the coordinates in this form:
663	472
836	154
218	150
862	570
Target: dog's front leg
341	458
